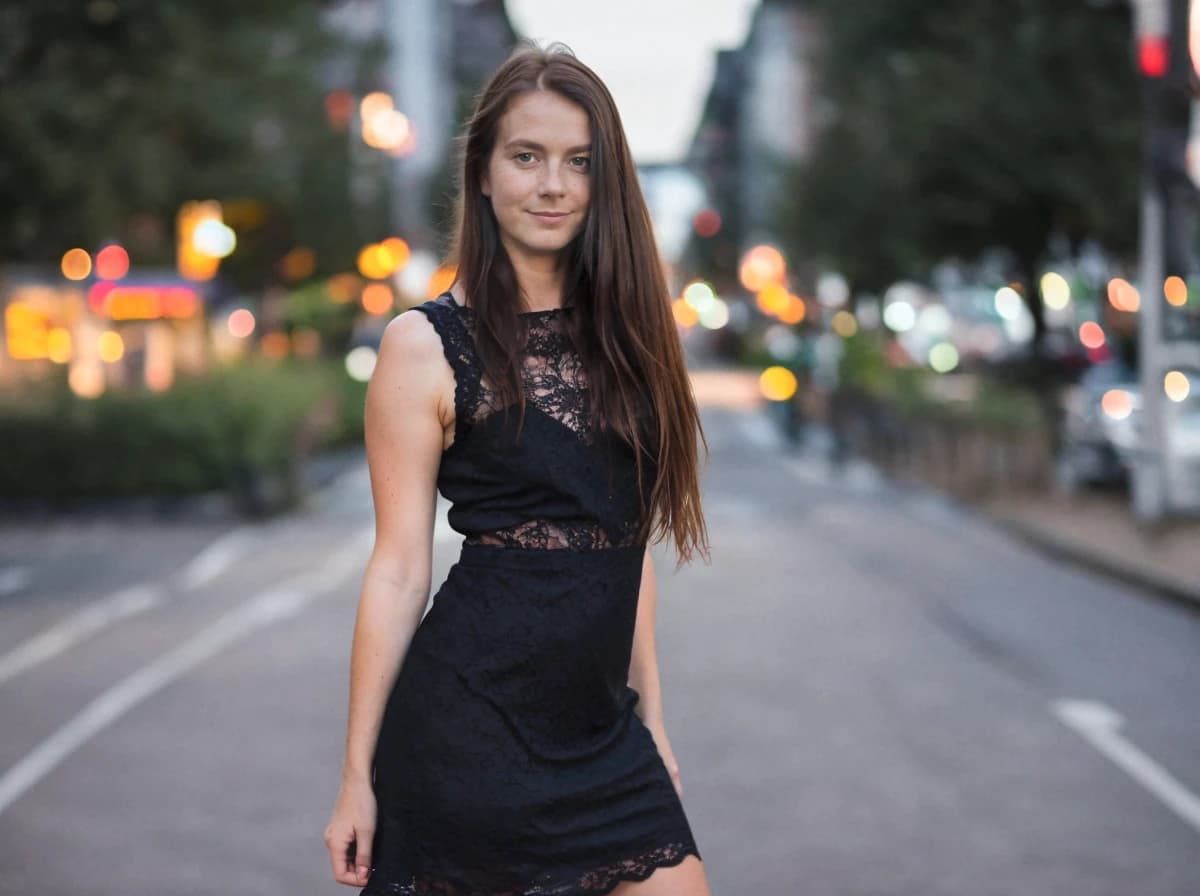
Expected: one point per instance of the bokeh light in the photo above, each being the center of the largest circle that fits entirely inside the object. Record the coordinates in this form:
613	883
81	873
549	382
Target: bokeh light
214	238
1176	291
1177	385
241	323
900	317
112	263
714	315
777	383
360	363
440	280
1117	404
1123	296
943	357
760	267
1009	303
772	299
1056	292
374	103
76	264
377	298
343	288
685	315
1091	334
793	311
844	324
398	253
707	223
58	345
110	346
86	380
699	295
275	345
298	264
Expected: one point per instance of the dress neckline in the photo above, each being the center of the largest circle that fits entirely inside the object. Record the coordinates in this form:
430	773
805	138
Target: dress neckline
453	301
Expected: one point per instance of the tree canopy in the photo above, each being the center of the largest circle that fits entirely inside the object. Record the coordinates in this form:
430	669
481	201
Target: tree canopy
115	113
956	126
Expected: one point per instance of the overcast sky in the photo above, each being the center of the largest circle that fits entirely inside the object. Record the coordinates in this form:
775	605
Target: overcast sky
656	56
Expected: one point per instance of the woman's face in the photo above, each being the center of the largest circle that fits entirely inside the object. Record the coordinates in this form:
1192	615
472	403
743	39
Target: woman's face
537	175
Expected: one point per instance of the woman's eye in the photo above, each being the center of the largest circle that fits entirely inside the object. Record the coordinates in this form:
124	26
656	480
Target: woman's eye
581	162
524	157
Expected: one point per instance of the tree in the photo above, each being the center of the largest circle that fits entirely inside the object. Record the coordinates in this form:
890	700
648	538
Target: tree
961	125
116	113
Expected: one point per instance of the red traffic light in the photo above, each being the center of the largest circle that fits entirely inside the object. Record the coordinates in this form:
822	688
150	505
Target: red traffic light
1153	56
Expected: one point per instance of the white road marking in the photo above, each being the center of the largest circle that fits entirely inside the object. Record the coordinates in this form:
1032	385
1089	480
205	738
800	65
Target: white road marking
266	608
70	631
1099	725
14	578
216	558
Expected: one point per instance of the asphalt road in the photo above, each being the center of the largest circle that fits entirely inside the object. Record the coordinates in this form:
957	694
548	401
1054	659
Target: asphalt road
870	693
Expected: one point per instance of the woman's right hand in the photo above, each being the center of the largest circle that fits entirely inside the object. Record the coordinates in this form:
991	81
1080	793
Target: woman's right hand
350	833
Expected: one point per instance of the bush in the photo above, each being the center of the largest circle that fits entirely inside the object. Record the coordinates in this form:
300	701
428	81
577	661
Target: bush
245	428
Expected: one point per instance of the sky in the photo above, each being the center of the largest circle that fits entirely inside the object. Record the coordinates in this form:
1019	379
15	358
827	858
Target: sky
656	56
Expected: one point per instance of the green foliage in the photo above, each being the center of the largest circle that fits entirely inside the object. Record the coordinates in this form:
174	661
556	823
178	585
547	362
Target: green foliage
237	427
114	113
959	125
913	393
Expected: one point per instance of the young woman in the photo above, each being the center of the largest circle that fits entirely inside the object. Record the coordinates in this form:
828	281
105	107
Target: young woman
511	741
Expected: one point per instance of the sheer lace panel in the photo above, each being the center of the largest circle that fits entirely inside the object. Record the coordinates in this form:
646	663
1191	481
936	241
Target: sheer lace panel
595	882
554	382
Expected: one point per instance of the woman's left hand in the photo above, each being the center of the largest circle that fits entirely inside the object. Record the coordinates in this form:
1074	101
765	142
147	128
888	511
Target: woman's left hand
668	756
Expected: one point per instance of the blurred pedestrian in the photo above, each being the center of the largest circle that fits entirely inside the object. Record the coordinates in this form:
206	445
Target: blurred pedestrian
511	741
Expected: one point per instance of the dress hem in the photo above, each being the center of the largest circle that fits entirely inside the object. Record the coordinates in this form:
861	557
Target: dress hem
687	847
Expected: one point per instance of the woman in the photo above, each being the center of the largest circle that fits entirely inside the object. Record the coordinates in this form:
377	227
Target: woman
512	741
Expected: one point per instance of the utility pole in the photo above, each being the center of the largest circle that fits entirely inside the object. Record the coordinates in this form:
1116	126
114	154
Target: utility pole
421	82
1161	31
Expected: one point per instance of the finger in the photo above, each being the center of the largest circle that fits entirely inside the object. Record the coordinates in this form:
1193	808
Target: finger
339	857
362	852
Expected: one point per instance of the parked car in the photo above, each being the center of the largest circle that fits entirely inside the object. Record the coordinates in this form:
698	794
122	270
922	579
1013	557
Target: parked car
1100	427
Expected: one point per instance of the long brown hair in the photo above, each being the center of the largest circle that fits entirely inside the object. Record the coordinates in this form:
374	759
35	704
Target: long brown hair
623	325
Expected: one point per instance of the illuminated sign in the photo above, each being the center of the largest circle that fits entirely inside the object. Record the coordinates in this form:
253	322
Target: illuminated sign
142	302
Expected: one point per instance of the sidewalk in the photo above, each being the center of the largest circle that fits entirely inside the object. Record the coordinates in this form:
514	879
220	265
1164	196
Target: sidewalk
1093	530
1098	531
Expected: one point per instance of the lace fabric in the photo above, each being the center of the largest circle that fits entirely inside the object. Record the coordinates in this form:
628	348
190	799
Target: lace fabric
555	385
510	759
591	882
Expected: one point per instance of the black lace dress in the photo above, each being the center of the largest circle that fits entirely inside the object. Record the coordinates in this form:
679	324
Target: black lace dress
510	761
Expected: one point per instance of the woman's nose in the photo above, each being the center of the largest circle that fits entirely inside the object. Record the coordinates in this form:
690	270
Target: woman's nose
552	182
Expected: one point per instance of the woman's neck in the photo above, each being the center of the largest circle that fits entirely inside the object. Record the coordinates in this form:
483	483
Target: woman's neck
539	279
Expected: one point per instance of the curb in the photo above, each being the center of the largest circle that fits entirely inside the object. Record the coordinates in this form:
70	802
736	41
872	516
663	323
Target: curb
1159	584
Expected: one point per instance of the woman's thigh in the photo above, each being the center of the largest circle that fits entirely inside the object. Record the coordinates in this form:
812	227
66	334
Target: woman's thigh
685	879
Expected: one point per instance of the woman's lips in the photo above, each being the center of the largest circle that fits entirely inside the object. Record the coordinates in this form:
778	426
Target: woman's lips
549	217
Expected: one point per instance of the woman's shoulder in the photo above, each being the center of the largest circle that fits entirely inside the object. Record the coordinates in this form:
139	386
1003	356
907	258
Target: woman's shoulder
412	336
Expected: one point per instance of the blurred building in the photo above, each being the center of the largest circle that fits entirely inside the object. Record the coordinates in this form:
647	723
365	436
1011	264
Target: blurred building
435	55
760	117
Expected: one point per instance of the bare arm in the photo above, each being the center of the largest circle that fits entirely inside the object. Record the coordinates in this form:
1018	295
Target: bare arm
643	671
405	411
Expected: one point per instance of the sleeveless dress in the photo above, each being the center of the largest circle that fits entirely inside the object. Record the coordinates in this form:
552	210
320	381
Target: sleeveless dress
510	761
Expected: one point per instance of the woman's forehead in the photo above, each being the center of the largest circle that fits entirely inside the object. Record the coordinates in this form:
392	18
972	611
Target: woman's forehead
545	118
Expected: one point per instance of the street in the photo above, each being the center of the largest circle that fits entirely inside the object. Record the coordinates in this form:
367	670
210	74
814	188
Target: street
870	693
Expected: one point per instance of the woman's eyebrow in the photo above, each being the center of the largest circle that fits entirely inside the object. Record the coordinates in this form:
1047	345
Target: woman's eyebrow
530	144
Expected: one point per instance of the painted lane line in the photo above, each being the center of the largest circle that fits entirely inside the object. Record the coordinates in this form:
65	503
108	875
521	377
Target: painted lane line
82	624
216	558
123	604
268	607
1099	725
14	579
